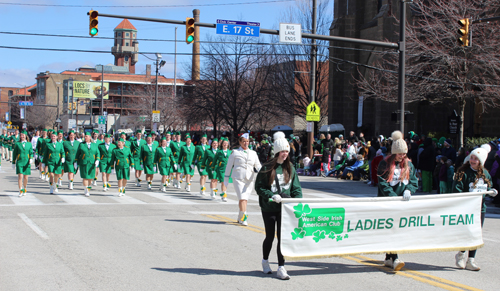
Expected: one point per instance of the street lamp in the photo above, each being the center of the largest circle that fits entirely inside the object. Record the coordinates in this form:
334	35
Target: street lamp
158	64
25	112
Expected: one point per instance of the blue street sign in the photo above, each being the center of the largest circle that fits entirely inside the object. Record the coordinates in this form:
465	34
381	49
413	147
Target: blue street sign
25	103
239	28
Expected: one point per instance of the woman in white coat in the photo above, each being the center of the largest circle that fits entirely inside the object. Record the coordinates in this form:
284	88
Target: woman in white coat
245	165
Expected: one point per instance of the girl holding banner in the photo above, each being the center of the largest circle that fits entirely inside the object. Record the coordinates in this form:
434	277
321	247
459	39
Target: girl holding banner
276	179
472	177
396	176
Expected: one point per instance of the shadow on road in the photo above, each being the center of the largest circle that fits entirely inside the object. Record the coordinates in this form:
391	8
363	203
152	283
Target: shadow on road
197	221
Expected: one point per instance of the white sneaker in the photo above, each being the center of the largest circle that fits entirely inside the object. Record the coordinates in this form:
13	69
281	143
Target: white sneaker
149	186
87	193
266	269
212	195
471	265
70	186
282	274
388	263
56	189
51	189
398	264
60	182
460	260
95	183
188	188
163	189
138	184
244	223
224	199
47	179
20	193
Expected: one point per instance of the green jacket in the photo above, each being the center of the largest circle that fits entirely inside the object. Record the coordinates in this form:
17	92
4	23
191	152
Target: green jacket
135	149
105	155
199	154
395	187
186	155
209	159
266	191
53	153
22	154
147	155
176	150
163	157
39	146
121	158
467	182
86	156
220	161
69	150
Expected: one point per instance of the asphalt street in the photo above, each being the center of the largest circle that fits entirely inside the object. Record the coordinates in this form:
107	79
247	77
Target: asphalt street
149	240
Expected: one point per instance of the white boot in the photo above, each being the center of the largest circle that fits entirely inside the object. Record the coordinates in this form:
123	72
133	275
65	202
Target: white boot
460	260
471	265
282	274
70	187
188	187
95	183
149	186
212	194
87	192
47	178
202	191
51	189
56	189
163	189
60	182
266	269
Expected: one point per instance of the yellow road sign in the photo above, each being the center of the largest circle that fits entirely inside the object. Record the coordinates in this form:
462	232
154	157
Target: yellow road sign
10	122
313	112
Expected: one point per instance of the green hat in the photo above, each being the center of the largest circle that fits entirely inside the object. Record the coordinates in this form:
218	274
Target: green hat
121	139
123	133
215	139
164	138
204	135
107	135
60	131
188	135
44	130
178	133
95	131
88	133
138	131
24	132
153	133
168	133
71	131
149	135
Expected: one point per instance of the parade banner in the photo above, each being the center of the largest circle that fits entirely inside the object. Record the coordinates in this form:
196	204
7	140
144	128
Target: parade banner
317	228
91	90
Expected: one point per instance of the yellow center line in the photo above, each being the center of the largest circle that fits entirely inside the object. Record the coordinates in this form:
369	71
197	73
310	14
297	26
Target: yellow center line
415	275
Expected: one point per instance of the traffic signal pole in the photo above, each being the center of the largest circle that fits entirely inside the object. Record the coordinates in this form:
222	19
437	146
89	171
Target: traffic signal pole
310	135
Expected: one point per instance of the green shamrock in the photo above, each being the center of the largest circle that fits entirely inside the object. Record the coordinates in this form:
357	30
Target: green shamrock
339	237
301	210
331	235
298	233
319	235
346	236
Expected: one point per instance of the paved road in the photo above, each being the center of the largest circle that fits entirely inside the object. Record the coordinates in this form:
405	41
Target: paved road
150	240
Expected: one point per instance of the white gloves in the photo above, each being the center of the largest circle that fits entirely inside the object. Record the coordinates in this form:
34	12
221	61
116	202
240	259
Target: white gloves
192	166
63	160
31	161
175	166
406	195
226	183
43	166
97	163
75	165
276	198
13	166
495	192
154	169
132	169
113	171
36	156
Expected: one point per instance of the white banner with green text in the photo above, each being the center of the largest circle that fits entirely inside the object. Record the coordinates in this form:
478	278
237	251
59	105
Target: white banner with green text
316	227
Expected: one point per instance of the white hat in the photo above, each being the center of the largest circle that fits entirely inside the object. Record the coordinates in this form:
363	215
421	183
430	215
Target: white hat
398	143
481	153
280	142
245	135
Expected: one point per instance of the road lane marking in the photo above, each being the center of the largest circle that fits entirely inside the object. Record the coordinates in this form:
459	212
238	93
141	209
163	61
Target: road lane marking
28	199
33	226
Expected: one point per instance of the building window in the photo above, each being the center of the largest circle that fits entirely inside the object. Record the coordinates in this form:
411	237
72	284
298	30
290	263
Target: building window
127	34
40	89
126	58
133	35
10	93
126	44
119	34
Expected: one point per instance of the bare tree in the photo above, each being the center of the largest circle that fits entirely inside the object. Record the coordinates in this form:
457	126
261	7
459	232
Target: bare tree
438	67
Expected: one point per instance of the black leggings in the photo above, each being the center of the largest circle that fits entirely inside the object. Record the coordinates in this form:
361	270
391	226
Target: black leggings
270	221
472	253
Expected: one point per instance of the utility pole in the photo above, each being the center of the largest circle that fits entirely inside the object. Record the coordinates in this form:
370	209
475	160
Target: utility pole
401	73
310	135
175	64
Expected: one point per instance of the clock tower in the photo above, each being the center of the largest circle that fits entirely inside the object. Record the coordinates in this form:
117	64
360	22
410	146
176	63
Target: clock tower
126	46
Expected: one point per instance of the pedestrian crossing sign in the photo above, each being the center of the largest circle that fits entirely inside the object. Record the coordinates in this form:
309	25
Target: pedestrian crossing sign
313	112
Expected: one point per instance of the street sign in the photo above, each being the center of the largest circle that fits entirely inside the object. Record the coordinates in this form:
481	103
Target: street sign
310	126
25	126
290	33
7	116
239	28
25	103
21	113
58	120
313	112
71	123
156	116
102	128
9	123
102	119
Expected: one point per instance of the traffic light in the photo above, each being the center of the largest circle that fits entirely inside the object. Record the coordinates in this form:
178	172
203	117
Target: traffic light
93	22
189	30
464	32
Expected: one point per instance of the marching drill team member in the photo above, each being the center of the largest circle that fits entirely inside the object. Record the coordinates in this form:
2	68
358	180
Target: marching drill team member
13	139
123	136
2	141
163	159
208	163
60	139
148	160
243	165
155	142
175	146
38	153
186	160
97	141
121	162
9	142
70	149
87	159
105	150
220	166
53	158
168	137
199	156
136	147
23	157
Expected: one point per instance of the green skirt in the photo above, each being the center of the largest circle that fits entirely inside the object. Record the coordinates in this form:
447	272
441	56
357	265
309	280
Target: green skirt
186	169
68	167
202	172
211	174
123	174
87	171
137	165
105	167
55	168
23	169
149	169
164	171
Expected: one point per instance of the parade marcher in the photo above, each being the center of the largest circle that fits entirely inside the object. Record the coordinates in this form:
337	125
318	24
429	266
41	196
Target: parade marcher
175	146
472	176
135	147
97	139
396	177
105	150
263	151
21	162
154	135
46	137
2	140
121	162
70	149
60	139
126	143
186	164
11	140
220	163
148	160
208	163
163	159
199	156
87	159
34	141
276	180
243	165
168	138
53	158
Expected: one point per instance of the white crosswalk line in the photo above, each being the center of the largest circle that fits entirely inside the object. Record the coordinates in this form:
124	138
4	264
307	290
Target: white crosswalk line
75	198
29	199
127	200
168	198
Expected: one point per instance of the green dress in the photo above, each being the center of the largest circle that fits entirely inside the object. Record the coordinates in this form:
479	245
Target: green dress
105	157
208	163
148	158
85	158
39	147
163	160
199	155
186	159
53	154
220	164
176	150
70	152
23	152
121	161
135	148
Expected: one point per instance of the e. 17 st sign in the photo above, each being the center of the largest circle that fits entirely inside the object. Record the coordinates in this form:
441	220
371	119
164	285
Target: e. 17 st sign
239	28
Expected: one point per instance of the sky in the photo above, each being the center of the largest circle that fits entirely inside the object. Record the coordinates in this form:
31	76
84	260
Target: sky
19	67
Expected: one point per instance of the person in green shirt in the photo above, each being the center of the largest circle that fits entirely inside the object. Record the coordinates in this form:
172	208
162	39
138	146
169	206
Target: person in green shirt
186	161
13	139
154	135
199	155
54	158
121	163
220	162
136	147
70	149
123	136
396	177
23	158
276	179
97	141
2	147
208	163
175	146
60	139
105	150
87	160
147	160
163	158
473	177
